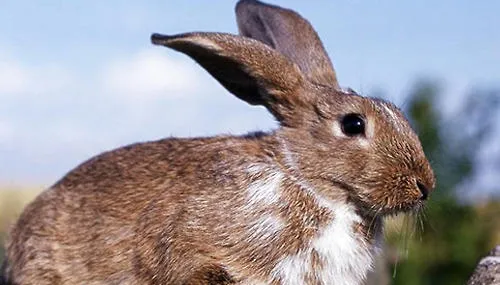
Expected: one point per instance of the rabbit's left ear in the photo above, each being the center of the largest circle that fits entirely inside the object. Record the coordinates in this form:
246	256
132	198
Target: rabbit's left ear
289	33
249	69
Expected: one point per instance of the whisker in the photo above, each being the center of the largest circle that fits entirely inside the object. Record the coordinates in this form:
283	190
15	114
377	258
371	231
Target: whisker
408	234
414	216
400	251
411	225
372	222
420	215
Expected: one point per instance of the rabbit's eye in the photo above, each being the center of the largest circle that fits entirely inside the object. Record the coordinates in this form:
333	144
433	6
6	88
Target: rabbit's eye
353	124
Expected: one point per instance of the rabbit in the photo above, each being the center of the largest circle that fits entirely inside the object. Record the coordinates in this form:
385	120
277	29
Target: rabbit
302	204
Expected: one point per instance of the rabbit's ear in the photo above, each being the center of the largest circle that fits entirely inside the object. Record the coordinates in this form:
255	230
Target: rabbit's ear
290	34
249	69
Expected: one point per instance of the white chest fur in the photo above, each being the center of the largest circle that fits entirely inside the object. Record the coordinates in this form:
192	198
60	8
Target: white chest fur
345	257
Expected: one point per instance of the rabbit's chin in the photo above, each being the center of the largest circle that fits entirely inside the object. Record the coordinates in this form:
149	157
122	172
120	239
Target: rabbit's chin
414	207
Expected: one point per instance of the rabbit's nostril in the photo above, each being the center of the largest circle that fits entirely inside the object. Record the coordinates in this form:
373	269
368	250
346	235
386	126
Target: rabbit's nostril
423	190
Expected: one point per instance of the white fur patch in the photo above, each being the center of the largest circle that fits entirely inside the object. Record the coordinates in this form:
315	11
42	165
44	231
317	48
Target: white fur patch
346	257
292	269
253	282
395	120
266	227
256	168
264	190
337	129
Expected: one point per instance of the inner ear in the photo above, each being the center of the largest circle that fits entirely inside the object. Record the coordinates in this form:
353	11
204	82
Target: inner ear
290	34
229	73
249	69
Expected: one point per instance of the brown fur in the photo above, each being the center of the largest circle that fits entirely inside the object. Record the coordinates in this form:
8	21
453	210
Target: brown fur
178	211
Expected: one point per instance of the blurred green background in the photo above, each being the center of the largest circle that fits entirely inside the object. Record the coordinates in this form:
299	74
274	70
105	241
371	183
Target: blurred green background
459	224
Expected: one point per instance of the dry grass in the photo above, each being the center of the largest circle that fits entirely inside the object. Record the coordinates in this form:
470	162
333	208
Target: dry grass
12	202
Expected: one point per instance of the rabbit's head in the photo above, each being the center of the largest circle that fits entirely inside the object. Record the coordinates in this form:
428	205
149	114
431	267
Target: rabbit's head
343	145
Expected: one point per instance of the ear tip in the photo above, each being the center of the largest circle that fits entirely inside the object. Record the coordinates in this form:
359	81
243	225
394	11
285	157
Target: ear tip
244	3
159	39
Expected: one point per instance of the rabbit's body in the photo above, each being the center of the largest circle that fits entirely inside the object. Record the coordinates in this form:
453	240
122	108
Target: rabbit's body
98	205
301	205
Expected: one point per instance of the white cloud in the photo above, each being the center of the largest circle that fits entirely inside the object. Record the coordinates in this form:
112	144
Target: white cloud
6	131
19	79
150	75
52	119
14	78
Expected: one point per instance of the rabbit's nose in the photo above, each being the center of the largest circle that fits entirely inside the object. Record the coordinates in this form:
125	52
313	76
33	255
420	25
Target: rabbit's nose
423	190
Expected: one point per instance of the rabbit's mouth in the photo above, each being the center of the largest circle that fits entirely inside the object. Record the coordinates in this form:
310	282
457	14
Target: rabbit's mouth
372	204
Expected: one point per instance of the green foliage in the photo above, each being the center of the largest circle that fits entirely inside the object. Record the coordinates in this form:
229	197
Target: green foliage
454	234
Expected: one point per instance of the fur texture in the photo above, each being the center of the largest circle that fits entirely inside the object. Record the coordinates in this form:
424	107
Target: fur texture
301	205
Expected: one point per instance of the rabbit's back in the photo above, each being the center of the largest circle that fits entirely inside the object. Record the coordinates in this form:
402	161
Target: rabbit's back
91	223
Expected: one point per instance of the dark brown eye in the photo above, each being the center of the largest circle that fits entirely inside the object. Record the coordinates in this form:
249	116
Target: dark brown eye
353	124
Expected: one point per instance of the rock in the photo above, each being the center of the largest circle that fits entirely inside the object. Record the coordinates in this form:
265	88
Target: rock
487	270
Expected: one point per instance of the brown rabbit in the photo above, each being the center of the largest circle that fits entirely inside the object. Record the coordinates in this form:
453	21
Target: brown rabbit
301	205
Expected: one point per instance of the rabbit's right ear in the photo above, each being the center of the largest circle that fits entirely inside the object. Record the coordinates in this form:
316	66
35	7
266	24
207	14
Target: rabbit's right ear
249	69
290	34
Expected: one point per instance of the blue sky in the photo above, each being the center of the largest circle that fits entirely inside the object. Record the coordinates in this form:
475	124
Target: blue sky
80	77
